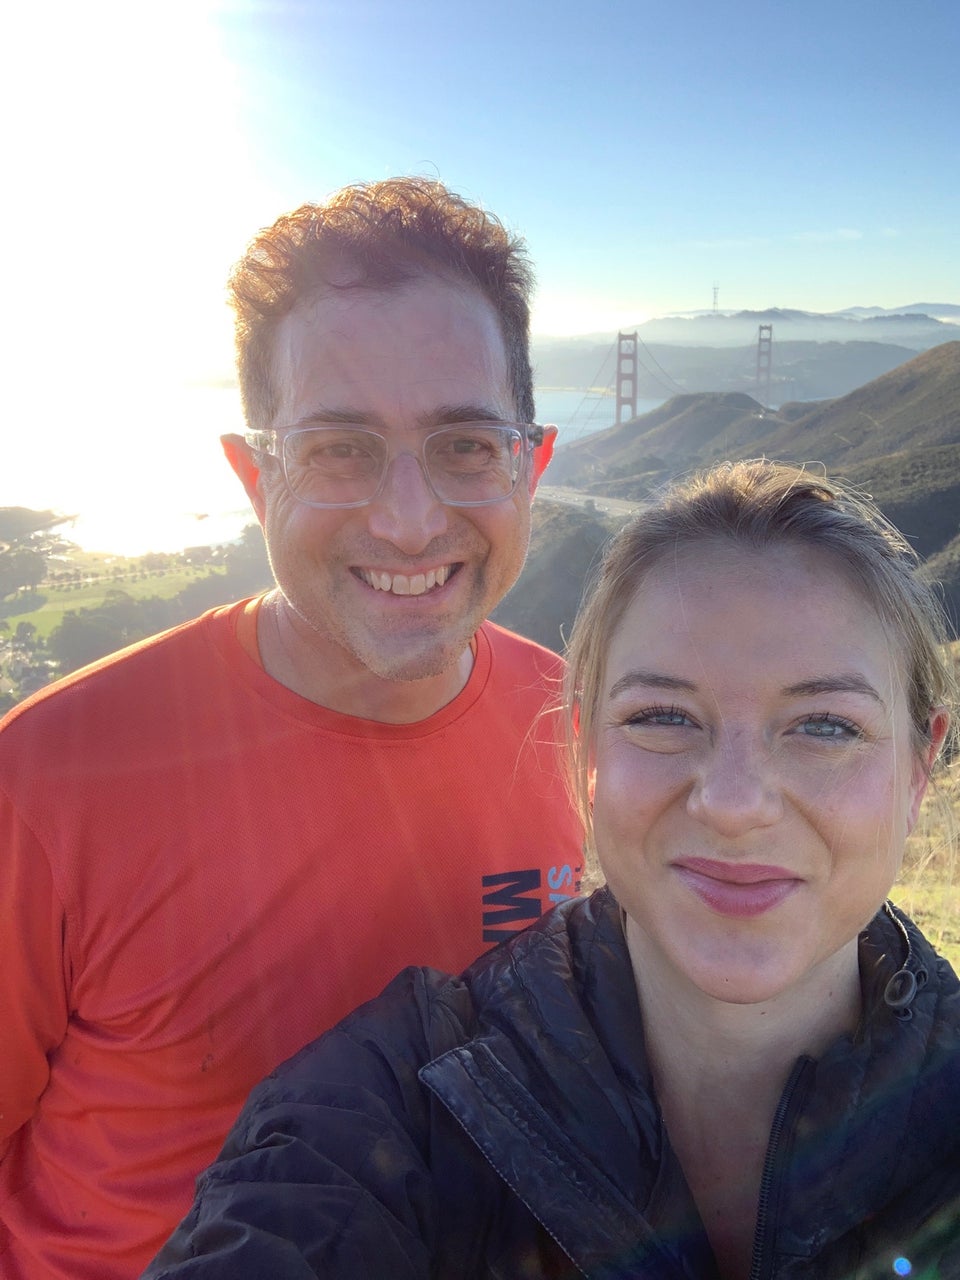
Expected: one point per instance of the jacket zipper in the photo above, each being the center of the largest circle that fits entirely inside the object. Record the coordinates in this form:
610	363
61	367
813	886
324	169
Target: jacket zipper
771	1166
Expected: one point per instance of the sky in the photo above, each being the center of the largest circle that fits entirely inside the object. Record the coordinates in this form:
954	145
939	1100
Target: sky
799	154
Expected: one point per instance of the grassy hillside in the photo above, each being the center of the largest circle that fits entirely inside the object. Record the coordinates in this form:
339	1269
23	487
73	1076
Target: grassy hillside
898	438
565	545
672	438
915	405
45	609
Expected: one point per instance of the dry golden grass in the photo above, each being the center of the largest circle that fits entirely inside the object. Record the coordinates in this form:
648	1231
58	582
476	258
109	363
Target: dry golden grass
929	887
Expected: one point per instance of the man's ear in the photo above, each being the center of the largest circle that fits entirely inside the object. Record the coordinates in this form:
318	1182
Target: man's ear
542	454
240	456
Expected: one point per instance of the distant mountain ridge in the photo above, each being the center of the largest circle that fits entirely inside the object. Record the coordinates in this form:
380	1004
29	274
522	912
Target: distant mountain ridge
936	310
909	328
814	355
933	317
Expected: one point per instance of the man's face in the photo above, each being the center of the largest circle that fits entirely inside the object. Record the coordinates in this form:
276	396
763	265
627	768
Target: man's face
402	362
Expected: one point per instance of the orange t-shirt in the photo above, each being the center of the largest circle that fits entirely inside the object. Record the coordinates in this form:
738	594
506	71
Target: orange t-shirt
199	872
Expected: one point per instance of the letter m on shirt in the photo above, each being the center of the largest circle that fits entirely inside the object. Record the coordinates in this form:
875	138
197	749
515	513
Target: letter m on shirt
505	908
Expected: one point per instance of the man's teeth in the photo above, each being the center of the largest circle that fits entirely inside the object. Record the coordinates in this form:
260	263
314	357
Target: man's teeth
401	585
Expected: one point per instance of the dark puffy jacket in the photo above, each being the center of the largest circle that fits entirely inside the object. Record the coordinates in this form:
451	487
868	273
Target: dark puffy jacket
502	1125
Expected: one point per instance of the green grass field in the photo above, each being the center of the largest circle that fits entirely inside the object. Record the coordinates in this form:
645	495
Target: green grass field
45	607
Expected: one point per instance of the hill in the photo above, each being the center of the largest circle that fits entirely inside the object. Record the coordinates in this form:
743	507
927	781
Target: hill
565	545
917	404
20	524
897	437
626	460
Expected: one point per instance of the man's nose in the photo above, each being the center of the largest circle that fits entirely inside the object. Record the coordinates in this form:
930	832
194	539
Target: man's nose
406	511
736	789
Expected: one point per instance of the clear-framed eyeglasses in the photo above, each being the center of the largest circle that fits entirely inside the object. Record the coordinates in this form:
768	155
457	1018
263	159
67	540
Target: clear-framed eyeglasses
470	464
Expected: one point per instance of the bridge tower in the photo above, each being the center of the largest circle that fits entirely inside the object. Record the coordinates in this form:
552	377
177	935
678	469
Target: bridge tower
627	376
764	363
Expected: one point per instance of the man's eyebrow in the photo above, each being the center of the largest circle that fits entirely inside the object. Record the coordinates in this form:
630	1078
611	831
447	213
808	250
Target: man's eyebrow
332	417
441	416
651	680
842	682
451	414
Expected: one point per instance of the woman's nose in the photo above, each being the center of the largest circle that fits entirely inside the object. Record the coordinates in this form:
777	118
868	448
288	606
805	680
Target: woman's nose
736	788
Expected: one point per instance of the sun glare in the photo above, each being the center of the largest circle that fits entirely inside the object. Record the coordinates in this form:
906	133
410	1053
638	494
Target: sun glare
560	315
131	197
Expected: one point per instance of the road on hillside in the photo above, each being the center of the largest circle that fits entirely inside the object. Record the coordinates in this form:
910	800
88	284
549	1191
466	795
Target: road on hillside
574	498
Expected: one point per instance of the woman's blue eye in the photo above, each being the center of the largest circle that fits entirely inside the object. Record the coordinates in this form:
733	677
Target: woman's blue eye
670	716
829	726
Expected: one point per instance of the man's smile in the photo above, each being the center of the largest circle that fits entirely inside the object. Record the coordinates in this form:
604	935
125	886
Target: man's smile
402	584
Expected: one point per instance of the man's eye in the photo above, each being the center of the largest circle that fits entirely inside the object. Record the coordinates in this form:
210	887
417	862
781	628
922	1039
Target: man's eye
473	448
337	449
328	449
466	444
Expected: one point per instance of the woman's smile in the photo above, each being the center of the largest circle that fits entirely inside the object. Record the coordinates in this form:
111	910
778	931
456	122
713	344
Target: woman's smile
736	889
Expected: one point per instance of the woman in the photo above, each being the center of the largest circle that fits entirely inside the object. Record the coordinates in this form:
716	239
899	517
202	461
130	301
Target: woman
734	1061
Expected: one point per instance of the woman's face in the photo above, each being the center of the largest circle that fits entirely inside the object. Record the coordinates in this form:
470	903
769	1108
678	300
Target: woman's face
755	772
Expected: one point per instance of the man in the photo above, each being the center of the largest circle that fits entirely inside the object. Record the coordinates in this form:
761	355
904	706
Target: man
216	843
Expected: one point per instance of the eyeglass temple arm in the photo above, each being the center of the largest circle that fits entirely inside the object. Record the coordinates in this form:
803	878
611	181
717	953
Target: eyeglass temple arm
263	442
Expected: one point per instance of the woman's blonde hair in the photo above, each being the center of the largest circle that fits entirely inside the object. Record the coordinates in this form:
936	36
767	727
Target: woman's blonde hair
760	504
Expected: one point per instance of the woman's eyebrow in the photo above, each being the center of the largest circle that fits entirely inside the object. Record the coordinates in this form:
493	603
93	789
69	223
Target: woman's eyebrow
652	680
843	682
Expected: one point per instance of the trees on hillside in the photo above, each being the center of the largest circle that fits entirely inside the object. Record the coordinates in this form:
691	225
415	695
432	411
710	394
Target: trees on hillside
85	635
20	567
22	538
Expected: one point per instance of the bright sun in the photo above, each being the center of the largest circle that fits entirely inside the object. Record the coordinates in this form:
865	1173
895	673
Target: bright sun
130	198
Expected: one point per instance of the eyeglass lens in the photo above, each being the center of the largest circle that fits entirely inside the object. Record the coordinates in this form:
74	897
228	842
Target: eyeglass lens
467	463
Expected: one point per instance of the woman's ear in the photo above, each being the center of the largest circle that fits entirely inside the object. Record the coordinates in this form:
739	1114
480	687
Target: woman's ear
937	727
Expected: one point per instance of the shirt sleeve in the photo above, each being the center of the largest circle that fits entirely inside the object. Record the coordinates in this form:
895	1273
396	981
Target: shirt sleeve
34	1004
